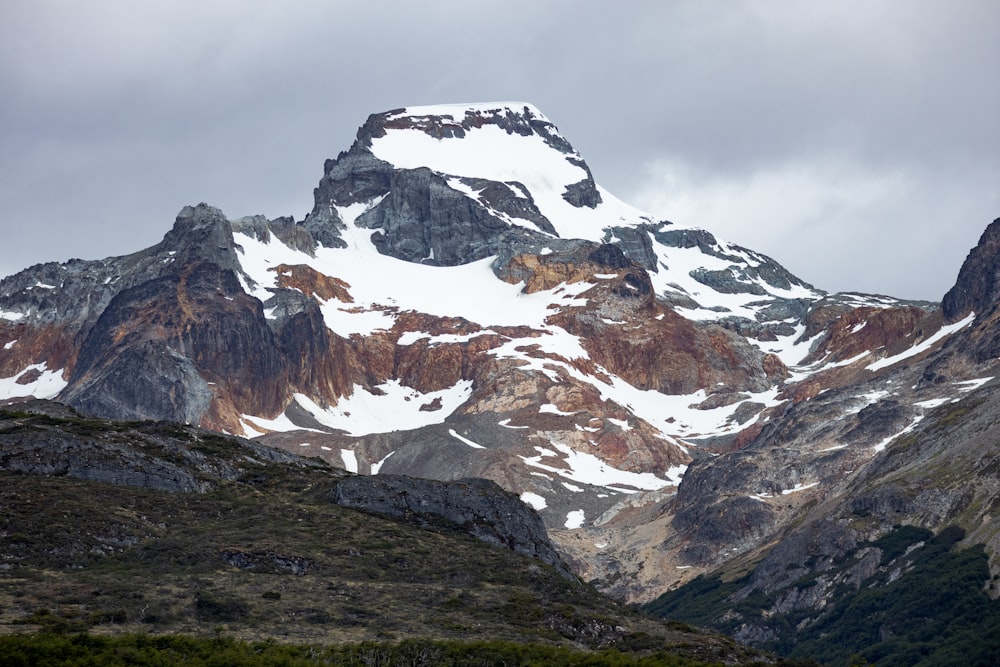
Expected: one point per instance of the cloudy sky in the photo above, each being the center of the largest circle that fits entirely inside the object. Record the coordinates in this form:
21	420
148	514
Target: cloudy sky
857	142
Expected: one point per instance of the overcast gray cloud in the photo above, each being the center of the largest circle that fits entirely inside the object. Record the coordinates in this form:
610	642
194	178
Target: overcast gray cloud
856	142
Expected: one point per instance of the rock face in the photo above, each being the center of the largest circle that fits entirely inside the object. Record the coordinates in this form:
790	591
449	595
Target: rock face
477	505
464	228
464	301
978	286
50	439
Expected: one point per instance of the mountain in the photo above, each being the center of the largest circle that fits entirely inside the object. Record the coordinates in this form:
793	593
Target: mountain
464	301
894	558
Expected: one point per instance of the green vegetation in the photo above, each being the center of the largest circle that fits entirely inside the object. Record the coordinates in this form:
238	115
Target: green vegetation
699	602
935	613
44	650
895	543
926	606
273	558
265	568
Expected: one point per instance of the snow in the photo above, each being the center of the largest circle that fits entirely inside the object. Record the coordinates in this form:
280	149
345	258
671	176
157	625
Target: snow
656	409
457	185
676	265
865	400
550	409
378	466
48	384
875	396
846	362
356	321
534	500
490	153
554	341
912	425
10	316
572	487
620	423
382	286
350	460
586	468
972	385
506	424
859	300
411	337
9	345
931	403
798	487
248	431
259	425
924	345
670	414
470	443
397	409
574	519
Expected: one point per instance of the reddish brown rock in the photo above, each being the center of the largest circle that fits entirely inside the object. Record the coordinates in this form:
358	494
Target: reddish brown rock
312	283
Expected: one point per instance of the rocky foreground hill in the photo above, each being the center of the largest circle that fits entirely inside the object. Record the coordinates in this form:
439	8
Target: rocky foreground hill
464	301
117	527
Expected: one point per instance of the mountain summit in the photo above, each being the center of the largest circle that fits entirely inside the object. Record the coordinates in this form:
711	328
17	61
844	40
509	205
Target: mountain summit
464	300
448	185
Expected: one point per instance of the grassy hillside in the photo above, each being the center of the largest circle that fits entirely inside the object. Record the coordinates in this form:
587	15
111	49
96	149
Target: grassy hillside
265	555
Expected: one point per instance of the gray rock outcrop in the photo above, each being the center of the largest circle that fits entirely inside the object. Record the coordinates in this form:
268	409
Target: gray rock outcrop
479	506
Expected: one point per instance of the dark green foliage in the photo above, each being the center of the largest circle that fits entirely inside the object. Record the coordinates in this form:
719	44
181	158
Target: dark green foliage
219	607
276	558
16	420
701	601
925	606
895	543
47	650
937	605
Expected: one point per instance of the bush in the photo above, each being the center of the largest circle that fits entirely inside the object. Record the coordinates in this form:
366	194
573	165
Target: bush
219	607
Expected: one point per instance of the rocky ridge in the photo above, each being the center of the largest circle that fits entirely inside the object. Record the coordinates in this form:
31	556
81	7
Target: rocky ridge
157	529
48	439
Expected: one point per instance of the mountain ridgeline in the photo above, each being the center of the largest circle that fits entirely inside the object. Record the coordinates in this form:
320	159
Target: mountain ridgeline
464	301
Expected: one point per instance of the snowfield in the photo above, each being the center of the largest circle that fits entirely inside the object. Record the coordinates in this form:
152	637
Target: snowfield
47	385
382	287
